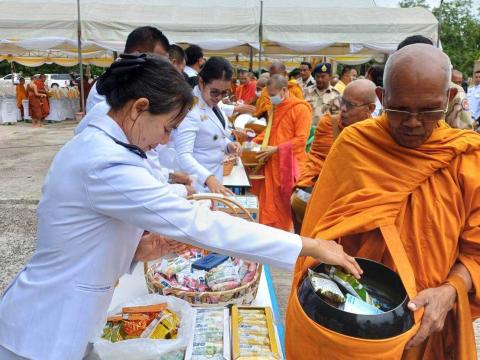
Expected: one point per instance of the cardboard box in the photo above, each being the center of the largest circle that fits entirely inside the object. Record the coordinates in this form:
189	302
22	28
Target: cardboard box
262	313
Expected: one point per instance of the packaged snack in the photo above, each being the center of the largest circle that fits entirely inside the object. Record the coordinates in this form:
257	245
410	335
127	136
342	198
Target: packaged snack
253	334
222	274
229	285
173	266
326	288
166	326
350	284
356	306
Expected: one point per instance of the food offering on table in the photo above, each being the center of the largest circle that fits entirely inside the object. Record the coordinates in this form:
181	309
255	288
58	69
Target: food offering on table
73	93
212	335
253	334
148	322
228	163
57	93
343	291
199	277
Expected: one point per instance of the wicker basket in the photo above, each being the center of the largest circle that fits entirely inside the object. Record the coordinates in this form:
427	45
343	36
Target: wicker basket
228	166
244	294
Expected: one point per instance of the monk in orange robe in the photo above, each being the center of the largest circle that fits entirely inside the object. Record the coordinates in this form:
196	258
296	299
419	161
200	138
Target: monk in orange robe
246	90
21	93
406	180
42	89
263	102
283	143
357	104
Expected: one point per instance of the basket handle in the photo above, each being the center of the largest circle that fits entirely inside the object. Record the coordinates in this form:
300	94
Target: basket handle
231	203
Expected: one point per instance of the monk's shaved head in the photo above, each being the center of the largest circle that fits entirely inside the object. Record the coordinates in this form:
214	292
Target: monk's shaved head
416	81
362	90
358	102
277	81
277	67
418	60
262	82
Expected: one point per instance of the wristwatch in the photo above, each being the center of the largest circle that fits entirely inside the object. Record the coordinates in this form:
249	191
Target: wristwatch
170	175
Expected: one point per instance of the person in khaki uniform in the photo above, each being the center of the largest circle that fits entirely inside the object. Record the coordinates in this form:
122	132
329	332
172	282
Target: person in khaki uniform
322	97
458	112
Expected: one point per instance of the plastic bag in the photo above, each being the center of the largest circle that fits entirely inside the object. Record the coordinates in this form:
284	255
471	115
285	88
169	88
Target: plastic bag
148	349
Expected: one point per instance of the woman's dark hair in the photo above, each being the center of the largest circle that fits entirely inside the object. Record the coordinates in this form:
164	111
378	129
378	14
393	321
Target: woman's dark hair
216	68
149	76
375	73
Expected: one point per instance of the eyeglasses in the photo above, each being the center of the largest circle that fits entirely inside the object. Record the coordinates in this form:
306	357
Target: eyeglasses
428	116
216	93
349	105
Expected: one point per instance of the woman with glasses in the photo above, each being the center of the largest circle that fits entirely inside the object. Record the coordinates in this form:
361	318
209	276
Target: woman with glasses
202	139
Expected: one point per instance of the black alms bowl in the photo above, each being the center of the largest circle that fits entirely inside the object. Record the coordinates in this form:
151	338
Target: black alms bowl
381	282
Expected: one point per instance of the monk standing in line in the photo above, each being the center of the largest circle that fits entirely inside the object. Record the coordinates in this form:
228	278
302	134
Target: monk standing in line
35	107
356	104
246	90
407	178
283	143
42	89
21	93
263	102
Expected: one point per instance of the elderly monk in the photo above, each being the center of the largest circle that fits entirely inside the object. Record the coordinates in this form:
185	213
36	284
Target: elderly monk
246	90
263	103
356	104
283	143
408	179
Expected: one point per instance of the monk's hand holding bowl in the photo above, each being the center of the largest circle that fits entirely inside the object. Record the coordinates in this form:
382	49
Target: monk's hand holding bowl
153	246
264	155
437	302
329	252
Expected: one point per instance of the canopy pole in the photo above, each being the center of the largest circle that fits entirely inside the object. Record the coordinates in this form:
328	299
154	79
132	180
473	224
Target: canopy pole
250	65
260	38
80	58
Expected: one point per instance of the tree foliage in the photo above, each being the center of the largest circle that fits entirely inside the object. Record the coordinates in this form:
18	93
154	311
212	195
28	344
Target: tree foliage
459	31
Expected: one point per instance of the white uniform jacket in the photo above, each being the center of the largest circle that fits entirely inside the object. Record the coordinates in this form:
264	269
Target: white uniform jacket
201	142
97	199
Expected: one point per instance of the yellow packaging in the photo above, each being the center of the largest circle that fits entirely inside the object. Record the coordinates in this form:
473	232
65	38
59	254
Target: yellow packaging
260	319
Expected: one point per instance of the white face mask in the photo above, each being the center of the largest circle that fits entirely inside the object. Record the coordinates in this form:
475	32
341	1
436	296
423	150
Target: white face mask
275	100
258	93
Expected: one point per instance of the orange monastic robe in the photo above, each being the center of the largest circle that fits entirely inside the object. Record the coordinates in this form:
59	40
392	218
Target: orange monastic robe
322	142
246	92
264	104
41	88
21	93
429	195
290	129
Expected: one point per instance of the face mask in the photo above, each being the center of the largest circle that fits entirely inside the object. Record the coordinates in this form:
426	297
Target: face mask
258	93
275	100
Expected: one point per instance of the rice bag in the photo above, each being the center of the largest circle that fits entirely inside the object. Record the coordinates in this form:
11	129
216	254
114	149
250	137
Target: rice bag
326	288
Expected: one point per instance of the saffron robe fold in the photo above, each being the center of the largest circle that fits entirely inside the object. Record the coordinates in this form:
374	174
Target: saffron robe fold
431	194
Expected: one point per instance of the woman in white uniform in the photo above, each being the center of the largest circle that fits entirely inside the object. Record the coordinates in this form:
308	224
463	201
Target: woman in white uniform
202	139
99	196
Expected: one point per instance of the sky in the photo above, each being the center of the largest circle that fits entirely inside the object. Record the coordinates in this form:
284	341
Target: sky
432	3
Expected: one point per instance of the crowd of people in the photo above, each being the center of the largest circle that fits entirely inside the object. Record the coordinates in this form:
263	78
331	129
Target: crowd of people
365	160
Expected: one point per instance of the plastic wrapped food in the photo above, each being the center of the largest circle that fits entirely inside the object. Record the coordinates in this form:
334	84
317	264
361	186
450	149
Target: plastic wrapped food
229	285
222	274
350	284
173	266
326	288
165	326
357	306
252	339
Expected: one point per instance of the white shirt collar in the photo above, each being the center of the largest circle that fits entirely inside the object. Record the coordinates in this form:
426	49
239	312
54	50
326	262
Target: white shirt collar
109	126
190	71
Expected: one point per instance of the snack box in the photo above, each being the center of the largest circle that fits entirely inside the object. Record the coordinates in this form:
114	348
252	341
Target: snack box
253	334
212	333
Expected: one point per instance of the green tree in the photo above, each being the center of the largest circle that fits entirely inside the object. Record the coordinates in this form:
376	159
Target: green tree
459	29
413	3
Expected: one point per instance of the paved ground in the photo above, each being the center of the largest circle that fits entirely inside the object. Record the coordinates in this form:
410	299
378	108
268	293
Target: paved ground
25	155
